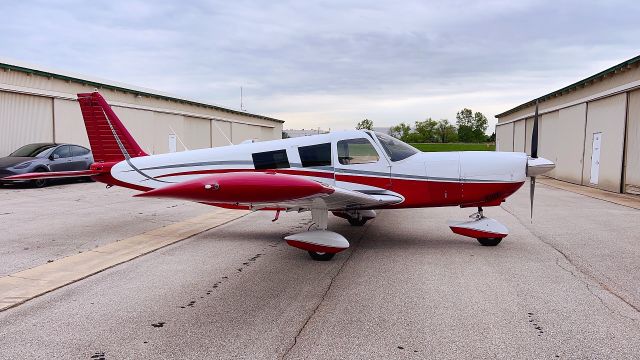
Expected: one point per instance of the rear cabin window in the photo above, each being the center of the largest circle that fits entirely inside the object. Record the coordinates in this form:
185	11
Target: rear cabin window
78	150
270	160
356	151
315	155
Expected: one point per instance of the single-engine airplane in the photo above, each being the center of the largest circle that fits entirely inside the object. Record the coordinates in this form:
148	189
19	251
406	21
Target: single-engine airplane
348	173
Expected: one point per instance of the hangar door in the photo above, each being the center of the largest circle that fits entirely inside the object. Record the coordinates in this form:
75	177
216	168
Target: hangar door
606	116
632	165
519	134
242	132
197	133
24	119
504	137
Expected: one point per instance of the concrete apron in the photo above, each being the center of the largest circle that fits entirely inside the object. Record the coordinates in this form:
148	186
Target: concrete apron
632	201
25	285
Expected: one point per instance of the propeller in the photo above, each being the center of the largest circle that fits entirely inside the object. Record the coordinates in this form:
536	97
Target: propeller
534	155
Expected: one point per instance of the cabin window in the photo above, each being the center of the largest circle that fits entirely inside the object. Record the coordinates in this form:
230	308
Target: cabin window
356	151
270	160
315	155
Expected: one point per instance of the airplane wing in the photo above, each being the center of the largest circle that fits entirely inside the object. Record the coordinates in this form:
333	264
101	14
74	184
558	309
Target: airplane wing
269	190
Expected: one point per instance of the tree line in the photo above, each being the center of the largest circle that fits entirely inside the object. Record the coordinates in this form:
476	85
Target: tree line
470	127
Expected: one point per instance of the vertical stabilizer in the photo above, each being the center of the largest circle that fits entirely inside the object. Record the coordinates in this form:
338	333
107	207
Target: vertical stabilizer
110	141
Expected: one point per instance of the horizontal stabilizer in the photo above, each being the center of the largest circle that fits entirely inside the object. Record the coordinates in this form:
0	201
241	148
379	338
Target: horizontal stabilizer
52	175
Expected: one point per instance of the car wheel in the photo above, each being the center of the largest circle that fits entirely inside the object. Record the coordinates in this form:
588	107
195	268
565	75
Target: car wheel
40	183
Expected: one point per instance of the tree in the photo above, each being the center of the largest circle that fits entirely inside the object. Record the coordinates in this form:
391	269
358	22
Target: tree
445	131
285	135
426	130
480	126
471	127
400	131
365	124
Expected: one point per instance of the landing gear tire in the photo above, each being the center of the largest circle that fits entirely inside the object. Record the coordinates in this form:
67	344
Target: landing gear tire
321	256
40	183
357	222
489	241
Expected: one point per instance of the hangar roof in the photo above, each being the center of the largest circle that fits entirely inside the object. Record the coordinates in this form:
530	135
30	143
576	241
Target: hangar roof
112	85
582	83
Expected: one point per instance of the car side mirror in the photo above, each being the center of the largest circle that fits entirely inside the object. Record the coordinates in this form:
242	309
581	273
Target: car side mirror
54	156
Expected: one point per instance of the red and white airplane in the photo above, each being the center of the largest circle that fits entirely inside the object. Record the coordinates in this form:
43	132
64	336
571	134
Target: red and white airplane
348	173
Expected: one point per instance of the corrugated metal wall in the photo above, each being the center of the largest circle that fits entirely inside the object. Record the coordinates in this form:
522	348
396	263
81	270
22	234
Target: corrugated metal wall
36	108
24	119
68	121
566	138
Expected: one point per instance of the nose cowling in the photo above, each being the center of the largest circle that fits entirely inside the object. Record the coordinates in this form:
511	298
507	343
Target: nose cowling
539	166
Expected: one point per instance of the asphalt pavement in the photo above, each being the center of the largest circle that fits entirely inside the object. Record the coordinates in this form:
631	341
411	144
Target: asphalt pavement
565	286
41	225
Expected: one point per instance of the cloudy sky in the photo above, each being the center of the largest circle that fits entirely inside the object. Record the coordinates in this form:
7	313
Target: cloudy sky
330	63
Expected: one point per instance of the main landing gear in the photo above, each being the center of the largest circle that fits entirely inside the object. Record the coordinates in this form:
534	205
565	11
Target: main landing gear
321	244
488	232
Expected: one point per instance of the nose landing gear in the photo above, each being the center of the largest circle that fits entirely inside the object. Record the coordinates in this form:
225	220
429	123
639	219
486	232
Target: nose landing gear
487	231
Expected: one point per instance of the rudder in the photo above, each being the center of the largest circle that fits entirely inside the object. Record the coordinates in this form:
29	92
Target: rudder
109	140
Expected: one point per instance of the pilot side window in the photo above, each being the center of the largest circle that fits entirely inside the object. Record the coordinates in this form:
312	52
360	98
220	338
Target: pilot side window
315	155
270	160
356	151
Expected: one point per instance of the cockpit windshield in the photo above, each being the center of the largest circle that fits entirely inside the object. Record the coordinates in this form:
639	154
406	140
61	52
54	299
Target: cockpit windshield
396	149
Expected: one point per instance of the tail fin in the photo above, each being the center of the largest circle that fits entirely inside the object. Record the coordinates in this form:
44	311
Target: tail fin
109	139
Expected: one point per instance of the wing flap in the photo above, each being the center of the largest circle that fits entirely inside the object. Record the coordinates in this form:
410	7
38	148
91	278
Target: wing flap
340	199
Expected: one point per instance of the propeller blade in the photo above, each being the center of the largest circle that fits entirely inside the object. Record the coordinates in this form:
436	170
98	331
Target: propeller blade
534	134
532	190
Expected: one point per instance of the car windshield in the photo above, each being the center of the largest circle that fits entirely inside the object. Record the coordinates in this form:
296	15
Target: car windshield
31	150
396	149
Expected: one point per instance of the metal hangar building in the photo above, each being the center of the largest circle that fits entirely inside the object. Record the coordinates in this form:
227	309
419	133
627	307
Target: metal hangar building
590	129
39	105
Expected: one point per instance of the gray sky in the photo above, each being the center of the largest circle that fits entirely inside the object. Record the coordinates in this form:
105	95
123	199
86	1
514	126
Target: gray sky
330	63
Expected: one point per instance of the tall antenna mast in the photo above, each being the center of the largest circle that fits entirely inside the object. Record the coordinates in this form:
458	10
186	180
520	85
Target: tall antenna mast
241	104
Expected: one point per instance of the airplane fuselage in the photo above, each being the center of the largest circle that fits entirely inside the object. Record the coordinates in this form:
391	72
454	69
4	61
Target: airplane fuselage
354	160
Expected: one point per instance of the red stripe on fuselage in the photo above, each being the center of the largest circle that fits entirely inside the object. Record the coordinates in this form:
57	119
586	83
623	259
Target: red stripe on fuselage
326	175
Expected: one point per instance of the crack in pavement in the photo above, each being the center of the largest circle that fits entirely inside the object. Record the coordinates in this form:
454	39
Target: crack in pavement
588	286
586	274
324	295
